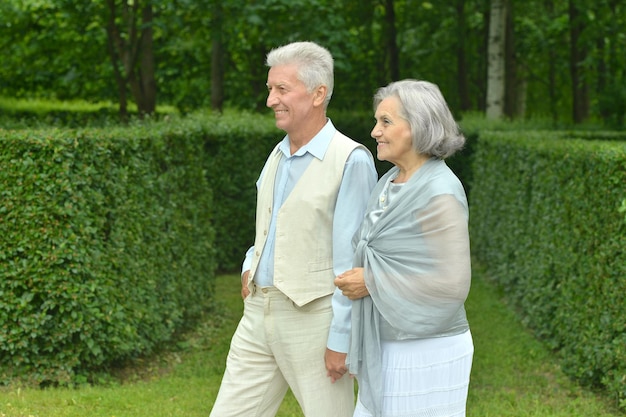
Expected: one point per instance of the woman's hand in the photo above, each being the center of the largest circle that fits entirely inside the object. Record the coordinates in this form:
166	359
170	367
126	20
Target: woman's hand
352	284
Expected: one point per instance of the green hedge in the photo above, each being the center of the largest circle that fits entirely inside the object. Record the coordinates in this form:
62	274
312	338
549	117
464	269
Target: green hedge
106	246
547	219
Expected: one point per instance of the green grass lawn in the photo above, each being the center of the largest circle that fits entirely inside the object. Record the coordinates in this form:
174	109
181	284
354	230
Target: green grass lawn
513	375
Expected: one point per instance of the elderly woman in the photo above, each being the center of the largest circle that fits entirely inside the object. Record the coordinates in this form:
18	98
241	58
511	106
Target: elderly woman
411	348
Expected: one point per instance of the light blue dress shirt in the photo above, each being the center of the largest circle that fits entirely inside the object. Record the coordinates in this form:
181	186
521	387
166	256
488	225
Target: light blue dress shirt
359	179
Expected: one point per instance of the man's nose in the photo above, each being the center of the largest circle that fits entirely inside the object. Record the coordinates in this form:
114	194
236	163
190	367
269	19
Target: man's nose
271	99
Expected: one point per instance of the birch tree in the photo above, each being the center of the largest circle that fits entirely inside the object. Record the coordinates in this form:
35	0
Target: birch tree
496	60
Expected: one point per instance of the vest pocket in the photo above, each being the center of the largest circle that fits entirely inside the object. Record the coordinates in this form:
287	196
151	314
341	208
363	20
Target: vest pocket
319	266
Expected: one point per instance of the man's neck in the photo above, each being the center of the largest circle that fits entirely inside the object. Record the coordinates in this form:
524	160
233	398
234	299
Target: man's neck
303	136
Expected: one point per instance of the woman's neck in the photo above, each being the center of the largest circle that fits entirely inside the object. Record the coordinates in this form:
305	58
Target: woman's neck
410	167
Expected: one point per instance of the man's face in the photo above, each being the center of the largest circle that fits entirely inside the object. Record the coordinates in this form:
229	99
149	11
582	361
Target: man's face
288	97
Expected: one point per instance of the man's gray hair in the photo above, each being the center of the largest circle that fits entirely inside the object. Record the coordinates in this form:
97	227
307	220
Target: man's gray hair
314	62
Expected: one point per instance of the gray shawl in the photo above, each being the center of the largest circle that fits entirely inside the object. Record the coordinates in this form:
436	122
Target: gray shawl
416	260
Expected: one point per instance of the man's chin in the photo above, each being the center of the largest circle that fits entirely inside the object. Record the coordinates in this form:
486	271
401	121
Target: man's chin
281	124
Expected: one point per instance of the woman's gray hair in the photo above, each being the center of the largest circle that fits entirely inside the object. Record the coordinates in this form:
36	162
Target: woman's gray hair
433	128
314	62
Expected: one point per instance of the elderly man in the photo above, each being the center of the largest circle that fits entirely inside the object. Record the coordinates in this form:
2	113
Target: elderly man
311	196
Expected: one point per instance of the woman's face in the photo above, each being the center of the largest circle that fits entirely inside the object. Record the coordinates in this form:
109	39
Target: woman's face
392	133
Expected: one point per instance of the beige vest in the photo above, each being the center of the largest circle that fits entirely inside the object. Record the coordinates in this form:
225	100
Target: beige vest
303	252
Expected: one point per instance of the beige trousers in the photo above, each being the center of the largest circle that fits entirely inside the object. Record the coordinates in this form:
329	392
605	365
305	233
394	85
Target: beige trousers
277	346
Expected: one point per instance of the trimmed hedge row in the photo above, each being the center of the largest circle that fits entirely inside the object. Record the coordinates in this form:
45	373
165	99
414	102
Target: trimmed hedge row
106	246
547	219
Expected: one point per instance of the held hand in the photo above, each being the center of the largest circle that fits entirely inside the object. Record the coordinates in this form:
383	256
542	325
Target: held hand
244	284
352	284
335	364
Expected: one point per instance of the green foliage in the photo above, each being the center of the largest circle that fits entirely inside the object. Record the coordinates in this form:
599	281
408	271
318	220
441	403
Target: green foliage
58	49
546	220
106	243
55	49
622	208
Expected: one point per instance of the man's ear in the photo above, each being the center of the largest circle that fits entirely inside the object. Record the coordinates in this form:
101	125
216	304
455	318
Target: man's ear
320	95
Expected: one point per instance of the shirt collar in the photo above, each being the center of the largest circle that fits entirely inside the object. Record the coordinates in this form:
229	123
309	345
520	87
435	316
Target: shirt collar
316	147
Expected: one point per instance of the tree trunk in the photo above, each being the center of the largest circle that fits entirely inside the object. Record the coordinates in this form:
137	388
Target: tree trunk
217	59
552	59
615	75
483	64
462	69
496	60
392	45
512	85
578	54
112	36
126	48
147	67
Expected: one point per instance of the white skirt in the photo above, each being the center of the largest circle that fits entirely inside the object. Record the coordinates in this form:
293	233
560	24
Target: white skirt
425	377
